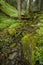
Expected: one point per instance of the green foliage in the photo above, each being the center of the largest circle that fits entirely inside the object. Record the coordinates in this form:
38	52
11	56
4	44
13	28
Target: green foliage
8	9
39	55
16	25
39	50
14	28
5	21
39	29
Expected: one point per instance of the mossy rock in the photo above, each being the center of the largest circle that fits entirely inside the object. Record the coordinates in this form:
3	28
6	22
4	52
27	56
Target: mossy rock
29	38
25	38
28	45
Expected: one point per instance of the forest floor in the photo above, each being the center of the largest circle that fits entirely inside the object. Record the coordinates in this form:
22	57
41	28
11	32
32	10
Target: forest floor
11	33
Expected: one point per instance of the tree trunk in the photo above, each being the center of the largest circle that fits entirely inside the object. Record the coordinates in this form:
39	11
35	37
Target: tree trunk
19	10
29	4
39	5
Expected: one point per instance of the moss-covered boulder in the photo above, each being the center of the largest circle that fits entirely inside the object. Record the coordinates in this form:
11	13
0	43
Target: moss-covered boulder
29	44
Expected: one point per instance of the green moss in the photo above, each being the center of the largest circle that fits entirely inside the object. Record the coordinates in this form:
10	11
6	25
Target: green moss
25	39
13	45
11	31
